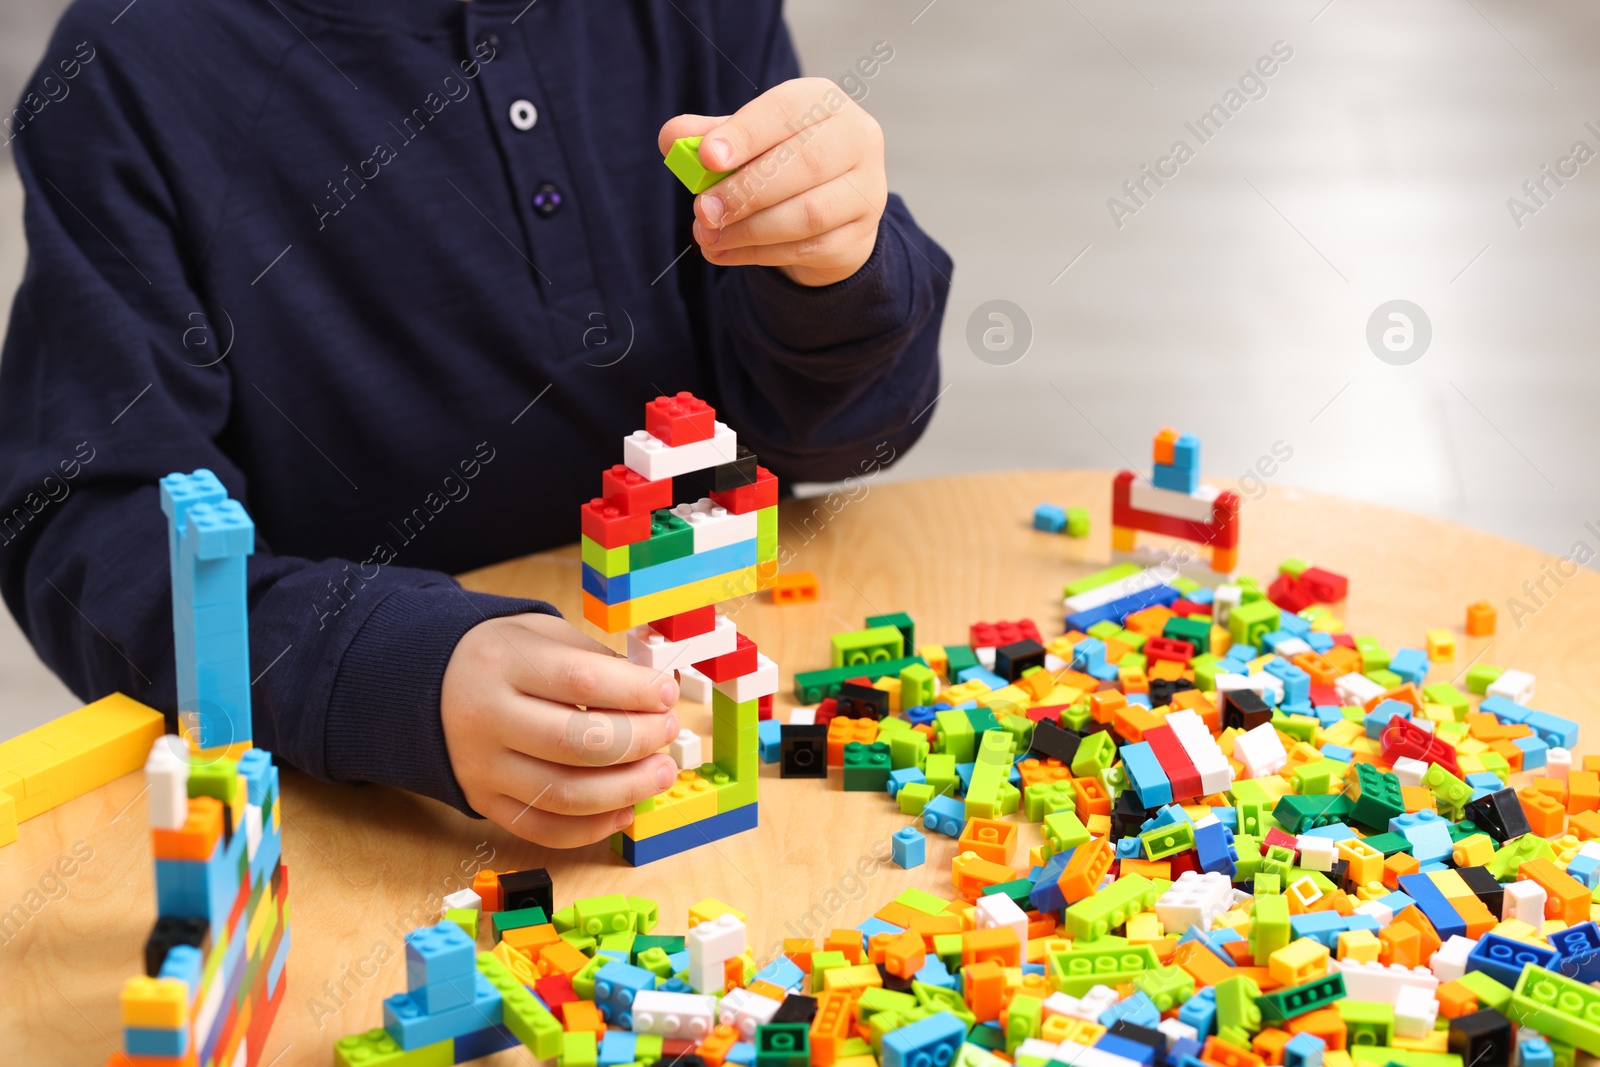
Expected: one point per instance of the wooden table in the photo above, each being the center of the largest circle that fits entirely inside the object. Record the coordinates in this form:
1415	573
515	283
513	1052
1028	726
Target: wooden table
368	864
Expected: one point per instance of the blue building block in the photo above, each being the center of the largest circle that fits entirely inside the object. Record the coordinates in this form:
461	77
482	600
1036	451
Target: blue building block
1579	947
1433	904
1506	710
660	846
1296	684
151	1041
1338	752
1127	1048
1228	817
783	973
1553	730
1128	848
275	971
933	1040
1534	754
1177	479
1428	833
1321	926
1046	894
1122	607
1090	652
411	1027
1184	1048
742	1053
1333	831
1319	641
1378	718
615	986
1144	773
1503	959
1138	1009
1200	1011
1410	664
492	1039
1186	452
1304	1050
945	815
935	973
1214	847
1534	1051
908	848
437	953
184	963
769	740
669	575
903	777
984	675
1051	518
871	928
1139	700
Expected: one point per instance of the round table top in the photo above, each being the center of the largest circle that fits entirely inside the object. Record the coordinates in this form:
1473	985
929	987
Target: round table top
368	864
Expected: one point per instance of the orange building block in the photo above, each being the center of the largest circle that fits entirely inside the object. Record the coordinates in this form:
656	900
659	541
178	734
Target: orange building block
847	942
486	884
1480	619
1402	944
1412	915
1162	449
1583	791
1585	825
714	1049
1221	1054
1089	863
794	587
985	987
905	955
562	957
579	1016
999	944
1567	898
1413	797
799	949
1456	999
842	731
1131	720
990	838
1395	866
832	1026
1091	798
1268	1044
1325	1023
1546	815
529	940
198	837
1105	703
973	874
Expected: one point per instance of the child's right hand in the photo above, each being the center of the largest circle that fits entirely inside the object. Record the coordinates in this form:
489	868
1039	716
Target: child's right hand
532	760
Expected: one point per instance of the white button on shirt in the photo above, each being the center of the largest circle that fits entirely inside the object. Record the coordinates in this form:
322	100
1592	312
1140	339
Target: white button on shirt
523	114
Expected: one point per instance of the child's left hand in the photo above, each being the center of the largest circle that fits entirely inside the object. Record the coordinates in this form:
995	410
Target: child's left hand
809	188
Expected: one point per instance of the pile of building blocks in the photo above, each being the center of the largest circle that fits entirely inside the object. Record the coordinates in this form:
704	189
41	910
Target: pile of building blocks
1174	505
69	756
657	571
214	960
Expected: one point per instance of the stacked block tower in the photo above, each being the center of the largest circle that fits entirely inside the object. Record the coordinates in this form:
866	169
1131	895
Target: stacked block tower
214	961
1175	505
657	570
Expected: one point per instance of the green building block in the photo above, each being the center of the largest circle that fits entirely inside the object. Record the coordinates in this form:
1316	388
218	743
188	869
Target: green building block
918	686
958	658
1095	753
900	621
1491	993
656	961
564	919
1367	1022
611	562
1206	668
822	963
217	778
1266	883
1385	677
954	736
1100	579
813	687
1293	567
1096	916
866	767
1077	522
1018	889
683	159
1047	798
1480	676
1286	1004
938	998
878	644
1063	830
1196	631
1373	656
1310	780
1083	967
1450	793
466	918
1168	987
376	1048
1238	1017
527	1019
1169	840
1448	695
1299	727
579	1049
914	797
1248	622
1379	798
940	772
1389	843
516	919
782	1045
1269	927
671	537
1297	814
603	915
1103	629
1506	866
907	748
1023	1019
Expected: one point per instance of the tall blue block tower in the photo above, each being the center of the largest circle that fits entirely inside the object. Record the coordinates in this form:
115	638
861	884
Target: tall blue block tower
208	538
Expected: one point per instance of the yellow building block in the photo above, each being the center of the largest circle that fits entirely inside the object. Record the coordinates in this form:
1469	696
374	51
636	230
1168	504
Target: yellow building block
157	1003
8	818
1436	1041
711	908
1328	624
1441	646
1360	945
935	657
690	799
1007	700
892	687
1300	961
863	976
614	618
79	752
1517	930
1339	1058
1143	928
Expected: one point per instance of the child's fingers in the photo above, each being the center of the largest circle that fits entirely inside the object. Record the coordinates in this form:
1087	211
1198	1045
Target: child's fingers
582	737
812	212
770	119
686	126
554	831
810	159
567	675
839	246
562	790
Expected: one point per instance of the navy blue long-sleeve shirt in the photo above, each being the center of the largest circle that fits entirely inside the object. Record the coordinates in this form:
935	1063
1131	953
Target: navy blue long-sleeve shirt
403	273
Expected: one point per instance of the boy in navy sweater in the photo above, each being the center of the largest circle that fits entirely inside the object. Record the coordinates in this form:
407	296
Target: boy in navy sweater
403	274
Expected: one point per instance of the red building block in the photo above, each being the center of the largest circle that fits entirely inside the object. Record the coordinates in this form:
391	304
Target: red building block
1175	762
1402	737
633	492
730	665
748	498
611	527
996	634
1157	649
1289	593
687	624
1327	587
679	420
764	707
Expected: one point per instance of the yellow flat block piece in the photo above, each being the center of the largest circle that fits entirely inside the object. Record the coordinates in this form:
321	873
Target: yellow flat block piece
156	1003
1451	884
233	751
79	752
8	818
1008	700
864	976
690	799
712	908
1436	1041
614	618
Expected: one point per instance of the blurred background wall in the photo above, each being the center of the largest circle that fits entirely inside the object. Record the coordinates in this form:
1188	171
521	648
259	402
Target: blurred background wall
1376	163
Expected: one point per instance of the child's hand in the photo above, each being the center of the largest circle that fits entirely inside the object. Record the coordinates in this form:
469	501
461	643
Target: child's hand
810	186
530	760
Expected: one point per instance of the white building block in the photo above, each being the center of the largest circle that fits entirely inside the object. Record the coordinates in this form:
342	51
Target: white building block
1449	960
985	657
686	1015
1383	982
1558	763
1176	1031
654	459
687	750
802	716
1356	689
692	685
1064	1004
1196	507
1260	751
1195	899
1515	686
1410	771
710	945
166	774
1524	900
998	910
744	1011
1096	598
1415	1011
1223	601
252	829
650	649
1054	663
1100	999
1291	647
1316	853
763	681
715	526
464	898
1384	914
1216	773
1039	1049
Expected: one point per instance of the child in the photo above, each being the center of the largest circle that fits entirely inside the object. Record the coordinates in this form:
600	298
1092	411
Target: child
403	274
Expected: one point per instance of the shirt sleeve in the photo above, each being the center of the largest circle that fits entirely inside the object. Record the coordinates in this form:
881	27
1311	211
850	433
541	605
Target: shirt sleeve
102	392
826	381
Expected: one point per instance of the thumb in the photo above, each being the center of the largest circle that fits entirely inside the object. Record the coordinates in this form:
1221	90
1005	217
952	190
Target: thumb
686	126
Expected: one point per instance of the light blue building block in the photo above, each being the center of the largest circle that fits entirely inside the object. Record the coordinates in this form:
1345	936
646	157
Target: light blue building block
908	848
1144	773
1051	518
